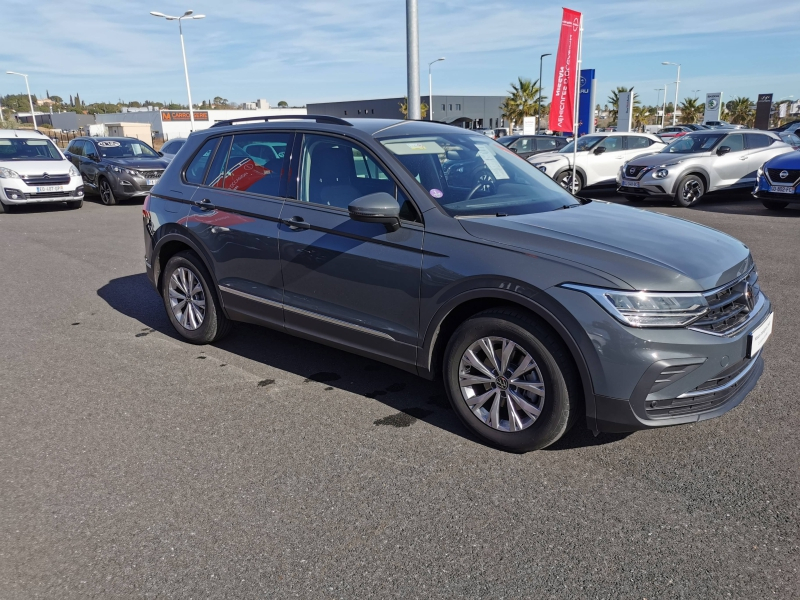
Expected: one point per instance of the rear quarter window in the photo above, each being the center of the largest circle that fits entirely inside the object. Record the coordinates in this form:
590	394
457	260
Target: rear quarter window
196	169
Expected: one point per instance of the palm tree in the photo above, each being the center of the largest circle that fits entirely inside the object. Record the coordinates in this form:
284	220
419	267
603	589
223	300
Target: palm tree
691	110
613	100
740	111
522	100
641	114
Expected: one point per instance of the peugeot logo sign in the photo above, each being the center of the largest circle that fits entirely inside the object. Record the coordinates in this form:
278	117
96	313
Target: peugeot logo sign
783	174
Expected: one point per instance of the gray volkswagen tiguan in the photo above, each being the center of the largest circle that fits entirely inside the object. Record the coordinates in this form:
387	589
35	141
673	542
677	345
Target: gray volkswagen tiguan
439	251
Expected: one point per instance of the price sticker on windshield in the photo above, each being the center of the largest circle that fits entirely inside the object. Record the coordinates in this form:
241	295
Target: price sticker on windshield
490	160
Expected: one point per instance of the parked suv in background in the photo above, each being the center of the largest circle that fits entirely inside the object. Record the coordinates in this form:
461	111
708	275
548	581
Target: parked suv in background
698	163
529	302
778	181
117	168
33	170
599	158
170	149
528	145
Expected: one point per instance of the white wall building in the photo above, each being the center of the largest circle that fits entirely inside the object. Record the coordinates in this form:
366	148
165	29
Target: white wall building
169	124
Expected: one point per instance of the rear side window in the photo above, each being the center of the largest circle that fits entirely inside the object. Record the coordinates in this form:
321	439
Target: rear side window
757	140
197	168
256	162
637	141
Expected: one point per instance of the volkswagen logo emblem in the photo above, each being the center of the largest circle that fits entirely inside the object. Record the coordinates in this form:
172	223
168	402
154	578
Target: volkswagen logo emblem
502	383
783	174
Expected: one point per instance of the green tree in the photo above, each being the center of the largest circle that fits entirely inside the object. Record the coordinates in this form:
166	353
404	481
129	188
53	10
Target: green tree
740	111
57	99
283	104
404	108
522	101
613	102
691	110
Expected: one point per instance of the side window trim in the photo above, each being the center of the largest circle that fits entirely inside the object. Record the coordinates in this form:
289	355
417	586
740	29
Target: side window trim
191	160
297	161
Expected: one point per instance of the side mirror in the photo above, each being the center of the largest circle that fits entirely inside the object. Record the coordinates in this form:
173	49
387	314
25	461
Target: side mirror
161	154
600	150
515	151
93	157
723	150
376	208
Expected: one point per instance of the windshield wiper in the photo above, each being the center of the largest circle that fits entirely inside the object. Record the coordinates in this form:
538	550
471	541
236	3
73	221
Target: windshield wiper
481	216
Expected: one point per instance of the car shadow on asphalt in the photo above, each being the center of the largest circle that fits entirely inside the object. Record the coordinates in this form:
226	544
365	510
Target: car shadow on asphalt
414	398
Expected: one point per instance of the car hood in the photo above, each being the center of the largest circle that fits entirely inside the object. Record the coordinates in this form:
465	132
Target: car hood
646	250
790	160
37	167
663	159
138	163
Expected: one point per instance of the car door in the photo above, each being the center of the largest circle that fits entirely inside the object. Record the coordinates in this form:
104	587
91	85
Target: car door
760	148
602	162
235	214
348	282
74	152
732	167
89	164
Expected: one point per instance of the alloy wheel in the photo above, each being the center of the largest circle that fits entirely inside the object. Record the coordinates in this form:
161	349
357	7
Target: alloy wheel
692	190
501	384
187	298
106	194
566	182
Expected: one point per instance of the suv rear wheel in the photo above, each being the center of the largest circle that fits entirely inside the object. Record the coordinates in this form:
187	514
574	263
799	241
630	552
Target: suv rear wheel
191	301
690	190
511	381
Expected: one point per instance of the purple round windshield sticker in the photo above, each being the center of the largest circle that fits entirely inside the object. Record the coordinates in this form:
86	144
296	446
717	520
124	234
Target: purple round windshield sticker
436	193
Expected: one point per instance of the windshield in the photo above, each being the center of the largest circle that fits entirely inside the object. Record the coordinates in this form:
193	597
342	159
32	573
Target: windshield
125	149
472	176
28	149
587	142
693	143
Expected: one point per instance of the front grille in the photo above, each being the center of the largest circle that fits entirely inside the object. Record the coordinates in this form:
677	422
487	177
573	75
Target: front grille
151	174
730	306
635	171
675	407
42	180
775	176
50	195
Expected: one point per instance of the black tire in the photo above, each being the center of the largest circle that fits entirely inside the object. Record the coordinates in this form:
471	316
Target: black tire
560	405
106	193
73	204
564	177
690	190
774	204
632	198
215	325
3	208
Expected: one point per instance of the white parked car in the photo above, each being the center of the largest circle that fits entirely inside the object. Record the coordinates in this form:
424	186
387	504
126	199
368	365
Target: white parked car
33	170
599	158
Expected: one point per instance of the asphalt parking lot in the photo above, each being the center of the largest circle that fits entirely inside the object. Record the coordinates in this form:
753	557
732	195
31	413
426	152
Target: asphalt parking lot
134	465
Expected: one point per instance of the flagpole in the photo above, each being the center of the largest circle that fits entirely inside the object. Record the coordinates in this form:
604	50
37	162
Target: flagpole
575	109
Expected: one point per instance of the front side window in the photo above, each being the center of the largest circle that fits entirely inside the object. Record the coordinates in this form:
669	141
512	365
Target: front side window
693	143
256	162
523	145
612	143
335	172
735	142
28	149
125	149
470	175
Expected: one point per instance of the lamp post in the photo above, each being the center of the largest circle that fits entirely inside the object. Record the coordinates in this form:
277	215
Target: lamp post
189	14
430	88
539	107
27	87
664	108
412	60
658	101
677	85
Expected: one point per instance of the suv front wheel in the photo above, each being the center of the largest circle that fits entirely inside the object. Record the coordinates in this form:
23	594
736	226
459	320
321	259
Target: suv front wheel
191	301
511	381
690	190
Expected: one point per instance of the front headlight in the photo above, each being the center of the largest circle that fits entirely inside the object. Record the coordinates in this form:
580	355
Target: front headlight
73	172
8	174
647	309
660	173
117	169
760	171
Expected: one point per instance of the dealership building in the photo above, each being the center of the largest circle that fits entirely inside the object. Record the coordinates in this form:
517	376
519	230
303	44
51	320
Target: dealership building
473	112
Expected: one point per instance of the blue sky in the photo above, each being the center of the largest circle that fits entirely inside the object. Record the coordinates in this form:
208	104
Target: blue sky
321	50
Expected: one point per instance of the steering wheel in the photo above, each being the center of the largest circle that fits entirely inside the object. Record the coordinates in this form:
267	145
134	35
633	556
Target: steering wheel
484	182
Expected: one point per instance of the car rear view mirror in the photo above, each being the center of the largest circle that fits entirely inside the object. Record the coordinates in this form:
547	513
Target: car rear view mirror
723	150
376	208
600	150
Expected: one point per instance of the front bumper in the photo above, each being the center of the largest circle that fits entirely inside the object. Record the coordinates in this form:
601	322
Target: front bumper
126	186
645	378
762	191
17	192
648	185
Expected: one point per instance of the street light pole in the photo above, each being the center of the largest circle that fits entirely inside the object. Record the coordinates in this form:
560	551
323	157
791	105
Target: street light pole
189	14
539	108
27	87
677	85
430	89
412	49
664	109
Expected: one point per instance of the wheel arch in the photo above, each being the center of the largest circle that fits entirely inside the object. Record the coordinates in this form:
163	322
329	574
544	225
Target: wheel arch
693	171
458	309
580	171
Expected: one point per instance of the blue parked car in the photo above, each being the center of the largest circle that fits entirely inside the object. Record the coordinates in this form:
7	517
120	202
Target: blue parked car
777	181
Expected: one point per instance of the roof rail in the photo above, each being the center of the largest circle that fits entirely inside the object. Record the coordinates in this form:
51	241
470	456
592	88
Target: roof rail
317	118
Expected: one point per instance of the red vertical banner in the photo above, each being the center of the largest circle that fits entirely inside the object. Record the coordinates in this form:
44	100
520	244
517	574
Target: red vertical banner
562	108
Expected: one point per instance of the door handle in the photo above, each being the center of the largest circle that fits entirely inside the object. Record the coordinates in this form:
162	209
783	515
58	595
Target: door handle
204	204
296	223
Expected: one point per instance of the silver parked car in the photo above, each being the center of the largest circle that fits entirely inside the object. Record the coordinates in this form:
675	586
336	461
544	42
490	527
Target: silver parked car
700	162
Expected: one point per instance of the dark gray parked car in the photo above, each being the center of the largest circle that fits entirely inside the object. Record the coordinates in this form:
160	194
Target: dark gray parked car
536	308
